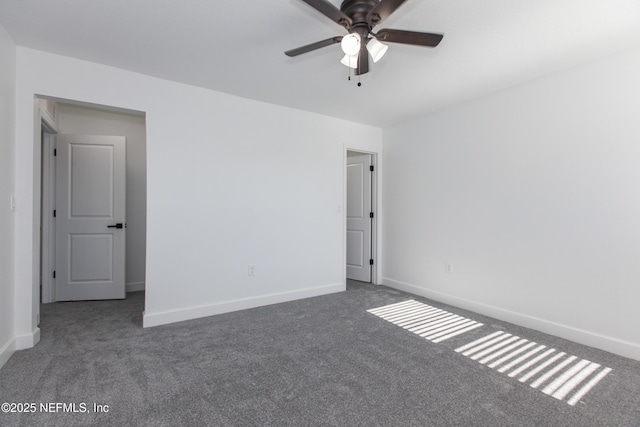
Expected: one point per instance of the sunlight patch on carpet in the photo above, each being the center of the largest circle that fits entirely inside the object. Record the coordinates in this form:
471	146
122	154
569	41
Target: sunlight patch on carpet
429	322
553	372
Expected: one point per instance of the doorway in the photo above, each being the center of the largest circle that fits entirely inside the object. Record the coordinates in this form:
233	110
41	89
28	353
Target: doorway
77	118
360	217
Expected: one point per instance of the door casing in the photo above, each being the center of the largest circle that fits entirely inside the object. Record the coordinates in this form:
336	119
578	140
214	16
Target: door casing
48	229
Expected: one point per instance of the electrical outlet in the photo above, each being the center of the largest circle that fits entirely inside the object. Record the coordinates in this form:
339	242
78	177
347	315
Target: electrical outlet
251	270
448	267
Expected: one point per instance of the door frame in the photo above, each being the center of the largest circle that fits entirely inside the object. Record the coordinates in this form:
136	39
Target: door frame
48	230
28	221
376	223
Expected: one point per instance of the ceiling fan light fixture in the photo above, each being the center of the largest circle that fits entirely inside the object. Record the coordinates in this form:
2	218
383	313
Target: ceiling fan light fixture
350	61
376	49
351	44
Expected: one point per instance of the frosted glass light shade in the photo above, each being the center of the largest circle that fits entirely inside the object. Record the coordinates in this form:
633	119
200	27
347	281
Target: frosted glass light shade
351	44
350	61
376	49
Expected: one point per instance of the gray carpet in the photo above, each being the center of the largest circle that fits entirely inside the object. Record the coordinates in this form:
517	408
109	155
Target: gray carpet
322	361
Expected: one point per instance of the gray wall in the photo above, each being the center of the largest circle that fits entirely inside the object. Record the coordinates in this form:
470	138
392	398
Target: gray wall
533	194
227	186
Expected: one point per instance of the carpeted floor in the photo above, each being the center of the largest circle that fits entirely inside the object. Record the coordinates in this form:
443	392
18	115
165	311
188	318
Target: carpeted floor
322	361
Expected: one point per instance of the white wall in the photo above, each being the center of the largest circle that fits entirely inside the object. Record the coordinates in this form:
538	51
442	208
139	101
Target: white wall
533	195
230	182
91	121
7	109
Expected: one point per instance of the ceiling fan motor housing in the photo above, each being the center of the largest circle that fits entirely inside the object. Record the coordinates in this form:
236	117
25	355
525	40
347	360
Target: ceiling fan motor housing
358	11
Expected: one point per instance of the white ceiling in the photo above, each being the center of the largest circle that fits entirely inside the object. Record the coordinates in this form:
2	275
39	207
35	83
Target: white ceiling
237	47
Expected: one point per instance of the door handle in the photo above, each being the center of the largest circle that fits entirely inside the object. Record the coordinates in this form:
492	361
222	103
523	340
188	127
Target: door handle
118	225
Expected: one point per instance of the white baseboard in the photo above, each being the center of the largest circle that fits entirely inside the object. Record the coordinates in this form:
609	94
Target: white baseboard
593	339
6	351
28	340
135	287
179	315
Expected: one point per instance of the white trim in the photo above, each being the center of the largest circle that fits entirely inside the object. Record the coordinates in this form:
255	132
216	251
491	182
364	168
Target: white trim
48	231
376	230
48	121
189	313
135	286
28	340
593	339
7	351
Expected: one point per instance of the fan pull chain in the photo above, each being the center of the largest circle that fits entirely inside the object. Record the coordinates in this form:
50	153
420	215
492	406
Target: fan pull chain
349	74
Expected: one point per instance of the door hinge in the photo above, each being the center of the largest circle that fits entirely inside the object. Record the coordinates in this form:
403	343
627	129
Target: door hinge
55	152
370	214
54	274
371	168
371	261
54	213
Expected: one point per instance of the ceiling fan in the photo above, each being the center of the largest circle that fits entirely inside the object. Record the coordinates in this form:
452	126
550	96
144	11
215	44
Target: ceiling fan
359	17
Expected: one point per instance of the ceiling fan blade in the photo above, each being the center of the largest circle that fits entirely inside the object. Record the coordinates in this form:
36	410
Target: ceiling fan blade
329	10
382	11
409	37
363	60
313	46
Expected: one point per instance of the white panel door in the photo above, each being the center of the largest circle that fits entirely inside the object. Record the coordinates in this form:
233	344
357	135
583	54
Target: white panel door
90	220
358	219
